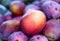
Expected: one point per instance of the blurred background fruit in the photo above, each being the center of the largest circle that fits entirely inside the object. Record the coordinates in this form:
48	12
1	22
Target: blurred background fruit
17	7
6	3
2	9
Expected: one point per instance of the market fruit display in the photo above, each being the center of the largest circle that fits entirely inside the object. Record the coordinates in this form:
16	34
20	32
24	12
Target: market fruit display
29	20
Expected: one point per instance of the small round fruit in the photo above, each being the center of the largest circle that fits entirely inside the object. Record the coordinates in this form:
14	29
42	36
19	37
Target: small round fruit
18	36
38	38
8	27
51	9
17	7
52	29
33	22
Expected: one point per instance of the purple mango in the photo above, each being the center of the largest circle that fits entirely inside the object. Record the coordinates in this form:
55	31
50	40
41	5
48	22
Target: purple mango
18	36
52	29
8	27
39	38
51	9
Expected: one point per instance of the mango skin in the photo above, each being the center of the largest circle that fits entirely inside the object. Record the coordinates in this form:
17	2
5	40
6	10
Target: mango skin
17	7
20	36
52	29
33	22
8	27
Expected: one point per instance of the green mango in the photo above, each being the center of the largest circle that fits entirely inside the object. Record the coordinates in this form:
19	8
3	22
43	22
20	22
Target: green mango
2	9
6	3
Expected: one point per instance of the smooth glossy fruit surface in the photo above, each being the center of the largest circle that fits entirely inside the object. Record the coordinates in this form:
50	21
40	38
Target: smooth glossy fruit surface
8	27
33	22
17	7
18	36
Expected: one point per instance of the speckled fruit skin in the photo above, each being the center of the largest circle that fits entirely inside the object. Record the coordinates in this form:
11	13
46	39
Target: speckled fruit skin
52	29
8	27
17	7
38	38
18	36
51	9
31	6
33	22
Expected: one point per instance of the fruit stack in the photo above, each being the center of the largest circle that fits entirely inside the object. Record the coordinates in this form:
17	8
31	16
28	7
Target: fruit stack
29	20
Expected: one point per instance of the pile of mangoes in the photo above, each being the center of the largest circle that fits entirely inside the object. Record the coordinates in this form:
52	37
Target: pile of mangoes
29	20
